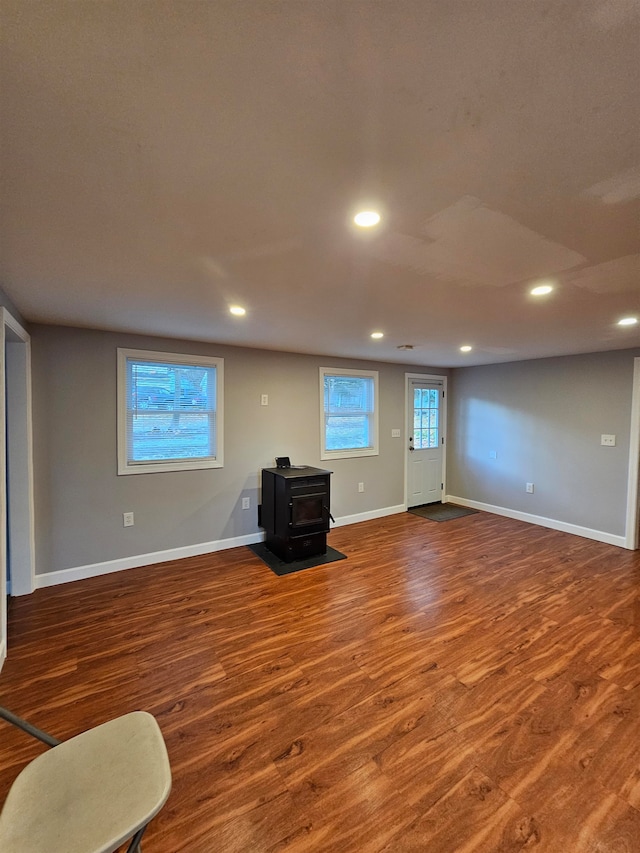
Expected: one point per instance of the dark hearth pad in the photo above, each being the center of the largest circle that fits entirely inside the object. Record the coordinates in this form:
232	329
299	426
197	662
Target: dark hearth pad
279	567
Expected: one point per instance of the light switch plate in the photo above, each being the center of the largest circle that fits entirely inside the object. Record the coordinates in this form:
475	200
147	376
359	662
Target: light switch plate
608	440
395	433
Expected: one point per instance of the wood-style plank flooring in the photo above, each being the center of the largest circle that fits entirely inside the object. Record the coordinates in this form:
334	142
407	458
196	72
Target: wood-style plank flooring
465	687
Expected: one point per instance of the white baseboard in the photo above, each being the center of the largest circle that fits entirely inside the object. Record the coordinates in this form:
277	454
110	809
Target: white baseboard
575	529
343	520
95	569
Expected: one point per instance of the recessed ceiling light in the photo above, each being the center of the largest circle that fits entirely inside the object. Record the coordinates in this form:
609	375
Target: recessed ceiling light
466	348
377	335
366	218
238	310
628	321
541	289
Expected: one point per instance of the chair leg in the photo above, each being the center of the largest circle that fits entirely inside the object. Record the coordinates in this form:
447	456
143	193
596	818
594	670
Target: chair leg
28	728
135	845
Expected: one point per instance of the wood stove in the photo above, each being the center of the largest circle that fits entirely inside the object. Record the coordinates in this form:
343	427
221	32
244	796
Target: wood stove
295	511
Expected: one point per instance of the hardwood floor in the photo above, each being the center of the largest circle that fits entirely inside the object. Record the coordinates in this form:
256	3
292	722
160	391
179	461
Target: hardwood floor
465	687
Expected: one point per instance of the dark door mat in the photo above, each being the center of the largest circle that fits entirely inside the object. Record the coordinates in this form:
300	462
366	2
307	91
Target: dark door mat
279	567
441	512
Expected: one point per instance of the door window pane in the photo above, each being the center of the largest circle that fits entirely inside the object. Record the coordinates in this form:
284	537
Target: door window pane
426	402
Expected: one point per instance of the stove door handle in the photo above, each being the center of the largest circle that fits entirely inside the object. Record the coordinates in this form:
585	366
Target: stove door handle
326	509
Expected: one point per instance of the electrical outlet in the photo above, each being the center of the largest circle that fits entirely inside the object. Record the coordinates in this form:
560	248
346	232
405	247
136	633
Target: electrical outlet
246	503
264	400
395	433
493	454
127	519
529	488
361	487
608	440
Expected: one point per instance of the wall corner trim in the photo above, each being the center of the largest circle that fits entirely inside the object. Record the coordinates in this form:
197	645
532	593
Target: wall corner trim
137	561
541	521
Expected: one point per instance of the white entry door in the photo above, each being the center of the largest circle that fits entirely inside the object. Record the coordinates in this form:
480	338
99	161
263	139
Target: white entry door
425	441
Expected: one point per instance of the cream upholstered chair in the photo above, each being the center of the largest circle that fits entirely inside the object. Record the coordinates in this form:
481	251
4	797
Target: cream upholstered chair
89	794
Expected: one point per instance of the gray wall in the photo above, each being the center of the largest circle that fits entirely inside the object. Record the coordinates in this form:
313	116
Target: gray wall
80	498
544	420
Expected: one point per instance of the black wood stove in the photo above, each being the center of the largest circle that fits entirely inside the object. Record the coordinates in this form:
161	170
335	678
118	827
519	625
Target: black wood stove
296	511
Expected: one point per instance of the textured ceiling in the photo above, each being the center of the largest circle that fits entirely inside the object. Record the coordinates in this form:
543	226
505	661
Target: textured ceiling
162	160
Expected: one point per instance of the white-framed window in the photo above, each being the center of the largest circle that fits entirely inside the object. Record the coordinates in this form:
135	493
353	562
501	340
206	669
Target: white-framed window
348	413
169	411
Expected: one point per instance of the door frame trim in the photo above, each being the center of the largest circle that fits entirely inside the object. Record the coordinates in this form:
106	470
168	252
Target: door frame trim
425	377
23	581
23	573
631	526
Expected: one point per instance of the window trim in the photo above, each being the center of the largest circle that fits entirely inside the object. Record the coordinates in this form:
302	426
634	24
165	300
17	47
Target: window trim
124	467
349	453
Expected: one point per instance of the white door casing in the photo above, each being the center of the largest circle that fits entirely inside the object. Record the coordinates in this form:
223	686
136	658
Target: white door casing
425	436
632	534
16	488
